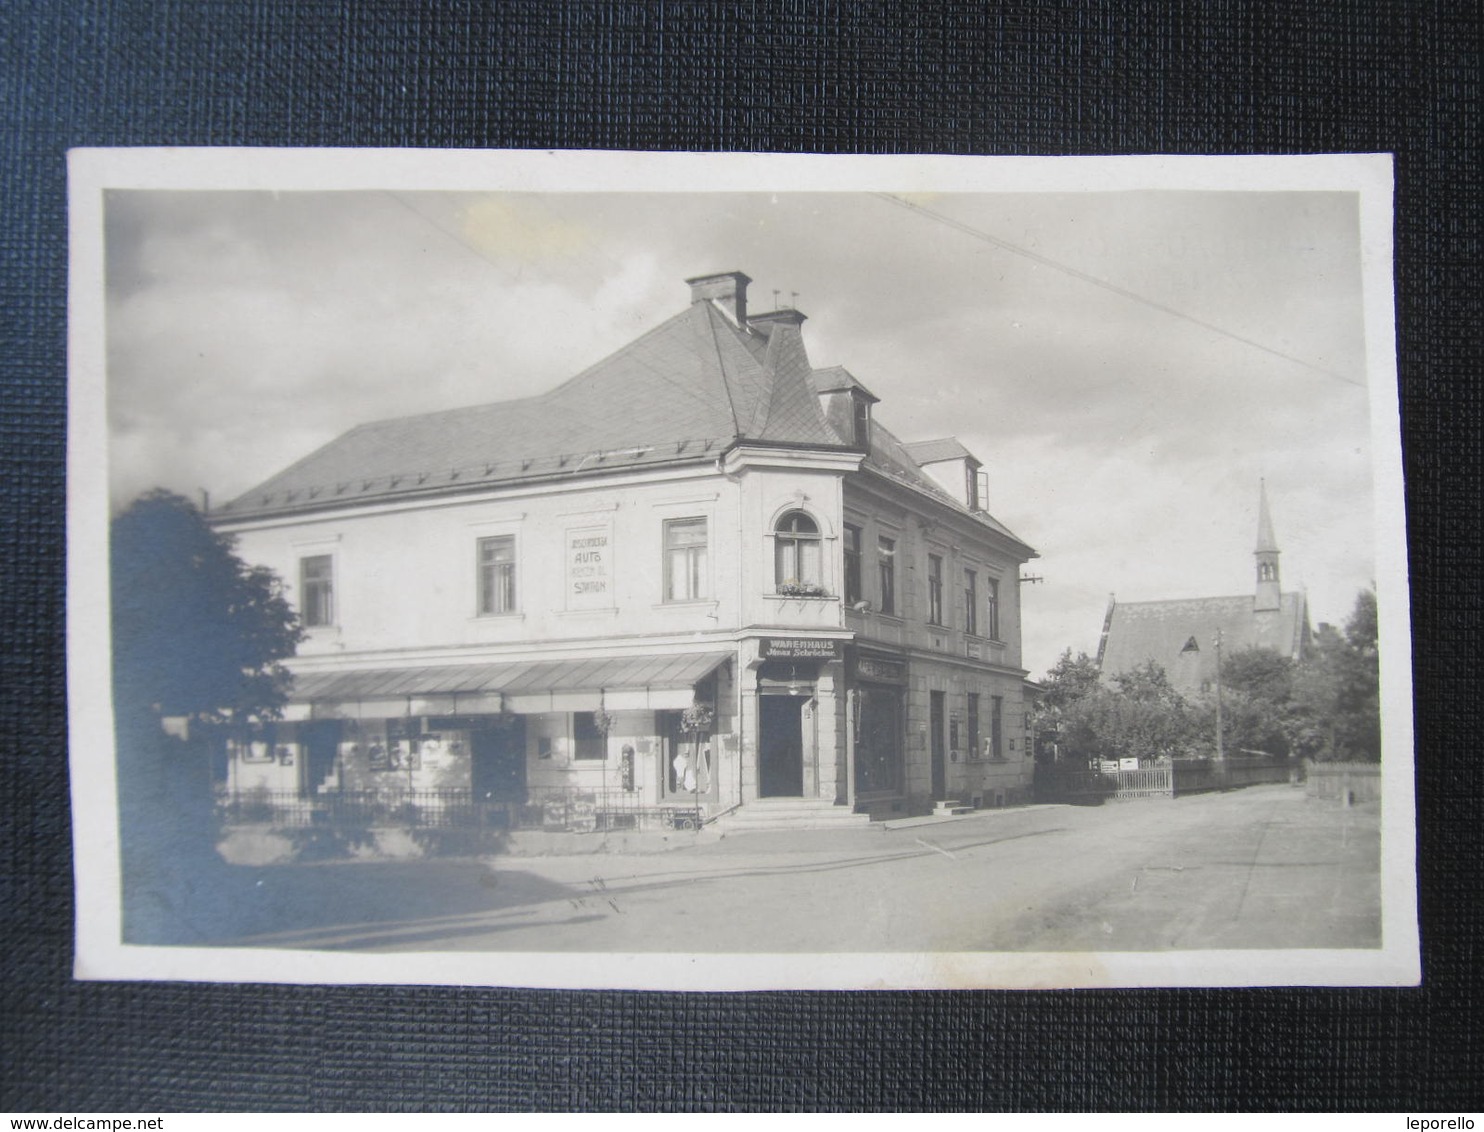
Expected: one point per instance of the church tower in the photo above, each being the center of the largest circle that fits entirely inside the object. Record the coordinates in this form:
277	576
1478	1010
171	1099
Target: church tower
1268	595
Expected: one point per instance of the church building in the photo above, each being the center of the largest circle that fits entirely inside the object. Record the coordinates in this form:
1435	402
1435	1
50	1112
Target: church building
698	580
1181	635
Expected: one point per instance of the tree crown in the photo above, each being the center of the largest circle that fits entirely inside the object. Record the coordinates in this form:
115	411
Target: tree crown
196	631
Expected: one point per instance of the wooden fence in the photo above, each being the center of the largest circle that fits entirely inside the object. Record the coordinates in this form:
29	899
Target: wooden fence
1162	780
1346	783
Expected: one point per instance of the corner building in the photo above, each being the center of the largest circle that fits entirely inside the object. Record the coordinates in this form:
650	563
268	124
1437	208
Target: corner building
699	577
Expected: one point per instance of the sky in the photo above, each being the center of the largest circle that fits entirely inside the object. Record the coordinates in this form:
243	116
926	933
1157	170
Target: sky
1127	365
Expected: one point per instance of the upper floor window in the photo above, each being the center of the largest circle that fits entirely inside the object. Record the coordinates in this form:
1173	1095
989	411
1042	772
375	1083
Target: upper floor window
935	589
685	559
852	564
796	552
587	740
992	608
497	574
886	561
971	602
317	590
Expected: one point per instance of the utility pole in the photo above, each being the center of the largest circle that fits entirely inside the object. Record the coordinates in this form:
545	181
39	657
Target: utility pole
1220	750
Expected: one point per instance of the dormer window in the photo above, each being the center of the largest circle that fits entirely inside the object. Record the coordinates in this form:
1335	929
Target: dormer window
1191	646
861	422
976	486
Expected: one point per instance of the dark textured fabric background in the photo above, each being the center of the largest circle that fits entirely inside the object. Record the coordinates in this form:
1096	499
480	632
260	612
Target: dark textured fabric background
1237	76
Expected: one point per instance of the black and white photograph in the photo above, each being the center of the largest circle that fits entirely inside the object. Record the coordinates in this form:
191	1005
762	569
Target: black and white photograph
733	572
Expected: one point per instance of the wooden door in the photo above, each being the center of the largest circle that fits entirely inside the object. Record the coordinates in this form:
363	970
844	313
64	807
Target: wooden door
939	741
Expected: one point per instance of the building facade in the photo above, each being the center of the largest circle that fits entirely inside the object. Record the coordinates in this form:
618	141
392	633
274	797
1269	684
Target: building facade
697	576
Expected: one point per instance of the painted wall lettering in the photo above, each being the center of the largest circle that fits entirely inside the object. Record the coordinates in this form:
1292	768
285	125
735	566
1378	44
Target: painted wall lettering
589	568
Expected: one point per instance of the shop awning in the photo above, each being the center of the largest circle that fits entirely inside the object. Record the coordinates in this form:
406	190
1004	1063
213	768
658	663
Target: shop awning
528	681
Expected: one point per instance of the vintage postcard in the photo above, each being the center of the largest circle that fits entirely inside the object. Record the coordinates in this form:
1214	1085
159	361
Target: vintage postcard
733	572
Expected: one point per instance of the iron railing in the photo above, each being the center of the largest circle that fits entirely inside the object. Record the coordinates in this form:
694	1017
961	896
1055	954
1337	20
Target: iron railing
556	810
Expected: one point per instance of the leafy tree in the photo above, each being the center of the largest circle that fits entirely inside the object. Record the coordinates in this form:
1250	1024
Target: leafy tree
1143	716
1257	703
1057	724
1361	630
1337	690
196	631
1069	680
1258	673
1137	714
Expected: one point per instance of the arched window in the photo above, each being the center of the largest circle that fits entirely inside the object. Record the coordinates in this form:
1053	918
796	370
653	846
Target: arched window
796	554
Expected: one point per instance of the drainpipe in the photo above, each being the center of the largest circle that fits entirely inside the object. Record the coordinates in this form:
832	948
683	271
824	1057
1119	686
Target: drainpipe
852	700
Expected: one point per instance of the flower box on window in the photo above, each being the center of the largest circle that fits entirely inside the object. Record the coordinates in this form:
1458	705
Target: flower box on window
801	589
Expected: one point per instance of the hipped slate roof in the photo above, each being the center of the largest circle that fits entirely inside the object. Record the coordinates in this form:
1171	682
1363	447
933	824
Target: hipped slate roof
932	451
832	379
891	458
1137	632
684	391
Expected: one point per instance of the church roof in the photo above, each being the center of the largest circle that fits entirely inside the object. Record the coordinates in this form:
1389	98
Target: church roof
1180	635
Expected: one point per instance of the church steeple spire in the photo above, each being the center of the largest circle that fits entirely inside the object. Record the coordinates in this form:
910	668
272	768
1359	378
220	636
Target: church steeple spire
1268	592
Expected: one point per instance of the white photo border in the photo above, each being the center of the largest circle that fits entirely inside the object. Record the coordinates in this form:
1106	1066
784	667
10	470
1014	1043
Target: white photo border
100	954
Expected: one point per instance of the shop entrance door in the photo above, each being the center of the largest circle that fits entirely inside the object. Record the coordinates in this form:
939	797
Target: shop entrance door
878	742
498	762
940	745
780	756
321	746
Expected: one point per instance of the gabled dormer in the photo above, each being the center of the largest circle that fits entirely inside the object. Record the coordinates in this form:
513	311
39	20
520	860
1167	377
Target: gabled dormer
846	404
953	468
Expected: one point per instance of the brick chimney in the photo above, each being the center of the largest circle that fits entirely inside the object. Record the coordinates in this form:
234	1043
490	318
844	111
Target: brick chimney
727	290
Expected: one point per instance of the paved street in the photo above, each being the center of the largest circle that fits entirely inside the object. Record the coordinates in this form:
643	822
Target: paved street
1257	868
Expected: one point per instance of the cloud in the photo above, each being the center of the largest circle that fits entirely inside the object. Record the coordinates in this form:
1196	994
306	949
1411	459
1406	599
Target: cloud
1125	442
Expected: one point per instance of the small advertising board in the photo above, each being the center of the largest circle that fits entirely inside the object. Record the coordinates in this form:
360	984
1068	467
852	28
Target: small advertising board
799	648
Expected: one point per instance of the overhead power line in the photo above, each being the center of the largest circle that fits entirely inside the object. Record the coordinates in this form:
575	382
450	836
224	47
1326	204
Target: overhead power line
1134	296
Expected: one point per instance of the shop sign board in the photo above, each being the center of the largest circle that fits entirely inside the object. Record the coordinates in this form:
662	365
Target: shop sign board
798	648
881	668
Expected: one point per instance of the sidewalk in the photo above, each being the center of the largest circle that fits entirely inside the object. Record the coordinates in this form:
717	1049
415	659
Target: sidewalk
1258	868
